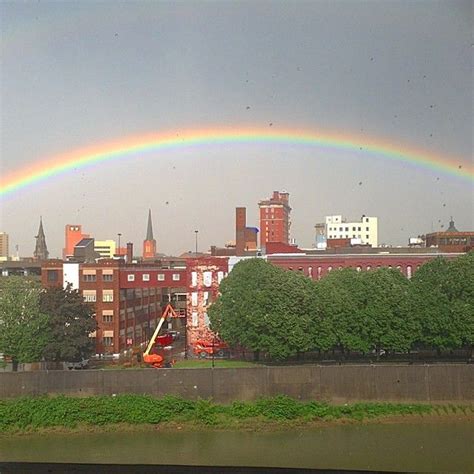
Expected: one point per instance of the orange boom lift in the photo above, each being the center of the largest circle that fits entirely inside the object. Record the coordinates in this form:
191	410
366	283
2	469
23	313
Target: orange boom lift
156	360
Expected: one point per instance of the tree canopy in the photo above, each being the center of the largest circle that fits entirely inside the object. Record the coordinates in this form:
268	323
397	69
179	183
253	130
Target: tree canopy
70	322
23	326
267	309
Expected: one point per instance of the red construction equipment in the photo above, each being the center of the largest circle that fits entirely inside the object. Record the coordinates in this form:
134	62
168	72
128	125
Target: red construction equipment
209	347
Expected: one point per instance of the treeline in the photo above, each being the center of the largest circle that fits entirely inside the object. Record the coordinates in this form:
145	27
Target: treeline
269	310
38	324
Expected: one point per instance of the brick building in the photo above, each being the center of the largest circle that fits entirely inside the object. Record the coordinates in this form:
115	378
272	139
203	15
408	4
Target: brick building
128	298
203	278
451	240
275	219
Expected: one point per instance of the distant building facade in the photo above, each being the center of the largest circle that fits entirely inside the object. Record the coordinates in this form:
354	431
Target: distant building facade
105	248
245	237
275	219
363	232
4	248
451	240
72	235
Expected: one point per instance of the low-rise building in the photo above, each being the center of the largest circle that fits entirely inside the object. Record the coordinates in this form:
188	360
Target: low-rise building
451	240
363	232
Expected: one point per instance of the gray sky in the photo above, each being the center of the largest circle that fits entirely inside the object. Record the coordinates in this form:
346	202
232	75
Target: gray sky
84	73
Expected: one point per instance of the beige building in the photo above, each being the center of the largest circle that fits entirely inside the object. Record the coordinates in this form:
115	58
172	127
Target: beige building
4	252
105	248
361	232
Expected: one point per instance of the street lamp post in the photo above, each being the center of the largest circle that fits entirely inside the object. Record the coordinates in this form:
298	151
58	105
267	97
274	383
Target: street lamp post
118	250
196	234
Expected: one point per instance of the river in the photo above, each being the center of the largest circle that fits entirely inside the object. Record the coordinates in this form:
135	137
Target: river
407	446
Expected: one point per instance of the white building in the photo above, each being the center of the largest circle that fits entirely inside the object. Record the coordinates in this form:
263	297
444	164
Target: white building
361	232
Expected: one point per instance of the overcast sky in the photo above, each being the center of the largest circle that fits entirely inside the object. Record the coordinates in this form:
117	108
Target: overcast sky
84	73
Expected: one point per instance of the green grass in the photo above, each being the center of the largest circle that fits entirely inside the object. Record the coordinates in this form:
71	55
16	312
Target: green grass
206	364
33	413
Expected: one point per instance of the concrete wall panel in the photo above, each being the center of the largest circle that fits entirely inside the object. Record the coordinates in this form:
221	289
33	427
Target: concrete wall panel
337	384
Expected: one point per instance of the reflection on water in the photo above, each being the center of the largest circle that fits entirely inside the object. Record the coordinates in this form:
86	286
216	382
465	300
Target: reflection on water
430	446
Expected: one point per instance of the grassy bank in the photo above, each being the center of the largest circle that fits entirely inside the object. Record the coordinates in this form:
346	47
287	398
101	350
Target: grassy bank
30	414
207	364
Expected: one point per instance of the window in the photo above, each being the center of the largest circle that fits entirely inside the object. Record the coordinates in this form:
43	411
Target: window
107	277
88	277
367	237
367	229
220	276
194	319
107	317
108	296
161	277
89	296
176	277
194	298
108	341
130	277
146	277
207	278
359	229
206	320
52	275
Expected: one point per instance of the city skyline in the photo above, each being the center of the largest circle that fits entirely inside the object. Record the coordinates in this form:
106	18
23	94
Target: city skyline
82	76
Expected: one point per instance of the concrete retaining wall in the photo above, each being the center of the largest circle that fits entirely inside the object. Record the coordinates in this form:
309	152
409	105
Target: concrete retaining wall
338	384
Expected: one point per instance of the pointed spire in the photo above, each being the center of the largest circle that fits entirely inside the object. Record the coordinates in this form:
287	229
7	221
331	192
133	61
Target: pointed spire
149	230
41	249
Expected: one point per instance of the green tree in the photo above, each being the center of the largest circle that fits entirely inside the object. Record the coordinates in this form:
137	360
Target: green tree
23	326
340	294
442	299
387	323
264	308
71	320
365	311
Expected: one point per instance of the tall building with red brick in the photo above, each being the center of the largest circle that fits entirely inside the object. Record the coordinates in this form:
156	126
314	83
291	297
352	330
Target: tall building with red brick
149	244
275	219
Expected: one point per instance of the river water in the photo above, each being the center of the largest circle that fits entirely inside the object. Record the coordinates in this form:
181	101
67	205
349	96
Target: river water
407	446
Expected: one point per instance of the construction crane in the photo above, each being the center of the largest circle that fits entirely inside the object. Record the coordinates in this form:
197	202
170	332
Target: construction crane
156	360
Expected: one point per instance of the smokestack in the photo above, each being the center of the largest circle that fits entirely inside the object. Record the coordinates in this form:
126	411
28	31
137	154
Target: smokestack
129	252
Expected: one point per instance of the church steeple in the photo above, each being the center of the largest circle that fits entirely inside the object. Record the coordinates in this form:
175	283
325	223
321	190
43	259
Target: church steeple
149	244
149	229
41	249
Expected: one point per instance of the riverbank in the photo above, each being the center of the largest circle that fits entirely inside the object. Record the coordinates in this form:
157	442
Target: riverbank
142	412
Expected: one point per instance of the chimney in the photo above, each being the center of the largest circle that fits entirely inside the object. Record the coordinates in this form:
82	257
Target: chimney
129	252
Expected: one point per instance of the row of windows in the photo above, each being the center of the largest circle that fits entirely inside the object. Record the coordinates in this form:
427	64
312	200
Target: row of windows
319	270
90	278
160	277
347	236
346	229
90	296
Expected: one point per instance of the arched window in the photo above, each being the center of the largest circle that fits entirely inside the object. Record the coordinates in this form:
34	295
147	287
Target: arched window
359	268
310	272
368	267
408	271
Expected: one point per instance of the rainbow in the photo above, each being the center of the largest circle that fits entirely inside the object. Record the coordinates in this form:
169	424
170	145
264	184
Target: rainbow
138	145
